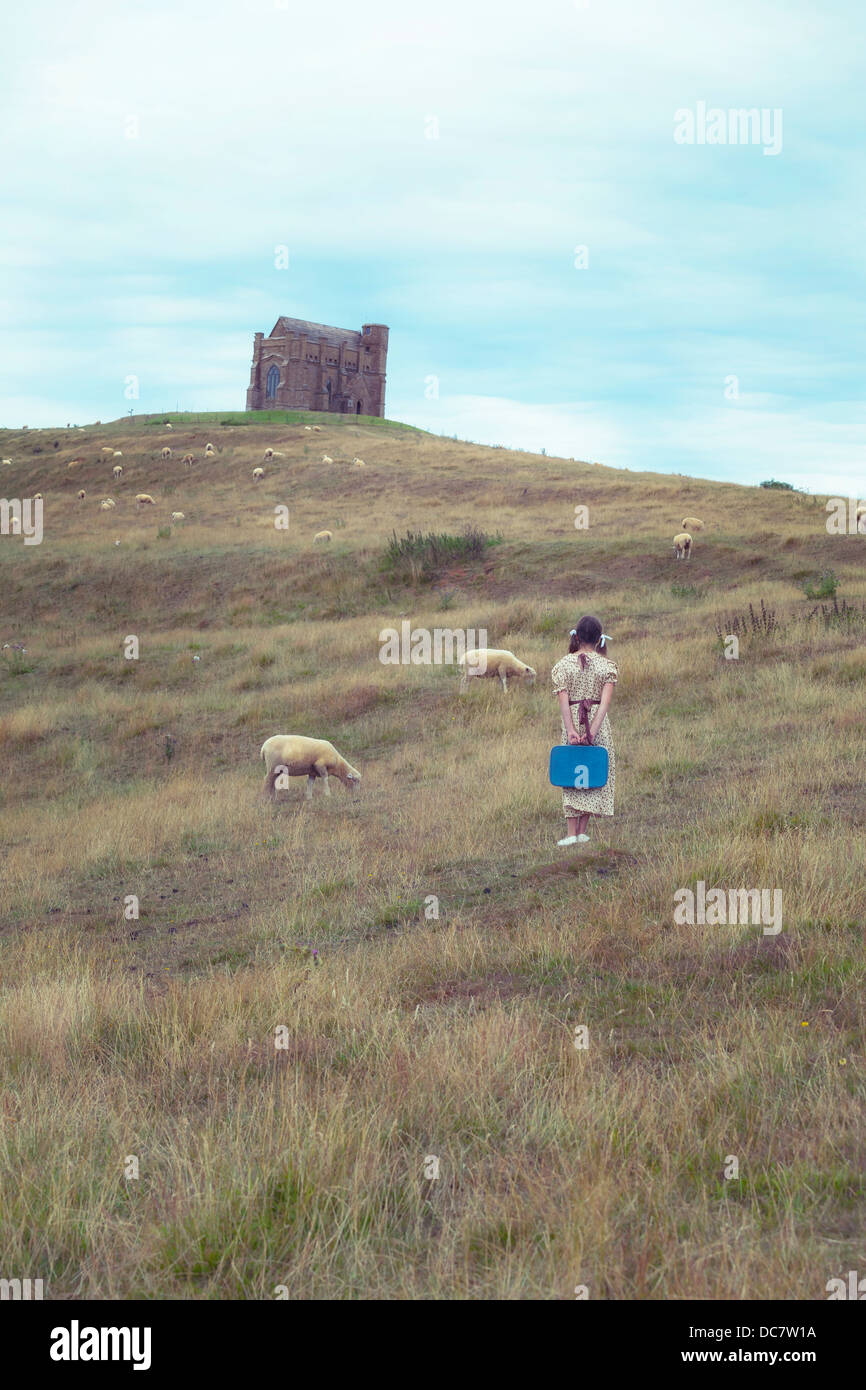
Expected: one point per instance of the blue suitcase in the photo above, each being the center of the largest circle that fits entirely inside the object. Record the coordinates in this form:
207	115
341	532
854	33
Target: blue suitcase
579	765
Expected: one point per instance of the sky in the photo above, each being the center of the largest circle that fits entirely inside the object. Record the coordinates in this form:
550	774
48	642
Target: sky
573	251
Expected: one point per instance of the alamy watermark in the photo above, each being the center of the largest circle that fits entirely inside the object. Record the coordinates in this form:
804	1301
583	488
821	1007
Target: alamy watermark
423	646
719	907
735	126
846	516
22	518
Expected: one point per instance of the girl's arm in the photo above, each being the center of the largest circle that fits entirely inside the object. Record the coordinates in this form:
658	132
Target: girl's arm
568	721
603	707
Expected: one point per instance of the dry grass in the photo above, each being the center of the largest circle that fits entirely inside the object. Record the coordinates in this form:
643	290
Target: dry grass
410	1036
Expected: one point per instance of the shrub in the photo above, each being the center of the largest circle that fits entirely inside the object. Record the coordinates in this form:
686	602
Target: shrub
773	482
421	557
751	623
842	615
824	586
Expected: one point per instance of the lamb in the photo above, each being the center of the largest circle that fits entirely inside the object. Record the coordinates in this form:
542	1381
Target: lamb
209	449
258	474
273	454
189	460
326	458
144	499
106	506
692	523
322	536
167	425
682	546
308	428
165	453
73	463
7	463
117	470
108	450
293	755
118	454
178	516
81	495
490	661
359	463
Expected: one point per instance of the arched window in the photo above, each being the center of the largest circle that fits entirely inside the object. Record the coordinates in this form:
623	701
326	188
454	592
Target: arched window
273	383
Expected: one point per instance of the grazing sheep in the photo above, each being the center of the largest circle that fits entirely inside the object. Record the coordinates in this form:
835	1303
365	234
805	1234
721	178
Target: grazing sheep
692	523
322	536
682	546
178	516
144	499
37	497
258	474
308	428
117	470
294	755
274	454
490	661
108	502
318	429
105	506
326	458
167	425
81	495
189	460
359	463
73	463
106	449
118	454
165	453
209	449
7	462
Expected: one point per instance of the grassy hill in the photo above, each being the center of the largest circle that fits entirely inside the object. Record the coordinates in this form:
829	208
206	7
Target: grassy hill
408	1036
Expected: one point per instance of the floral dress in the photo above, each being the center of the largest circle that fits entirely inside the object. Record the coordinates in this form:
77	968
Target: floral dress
585	683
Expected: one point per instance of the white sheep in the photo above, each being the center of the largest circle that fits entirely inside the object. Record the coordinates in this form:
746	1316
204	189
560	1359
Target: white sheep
118	454
37	497
209	449
294	755
144	499
178	516
105	506
189	460
493	661
107	449
109	502
359	463
273	454
682	546
326	458
692	523
167	425
322	536
258	474
7	463
117	470
165	453
308	428
73	463
81	495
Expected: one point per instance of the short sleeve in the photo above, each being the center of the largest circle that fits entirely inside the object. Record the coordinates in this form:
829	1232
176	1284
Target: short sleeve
558	677
611	675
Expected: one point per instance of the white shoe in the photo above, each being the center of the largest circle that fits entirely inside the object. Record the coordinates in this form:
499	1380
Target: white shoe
582	839
569	840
